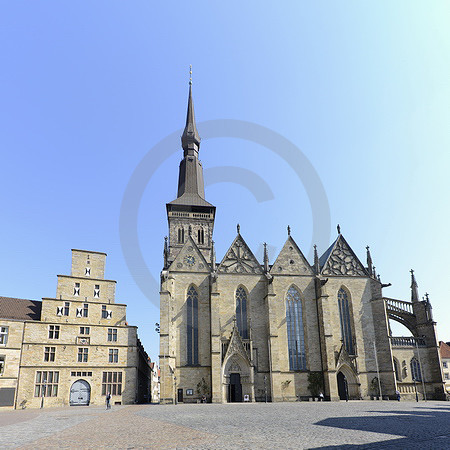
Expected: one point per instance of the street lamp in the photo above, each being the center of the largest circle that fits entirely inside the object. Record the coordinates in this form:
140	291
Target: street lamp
44	386
175	388
415	389
265	386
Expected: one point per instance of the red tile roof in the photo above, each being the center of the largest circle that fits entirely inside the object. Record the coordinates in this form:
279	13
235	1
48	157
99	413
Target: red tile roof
445	350
20	309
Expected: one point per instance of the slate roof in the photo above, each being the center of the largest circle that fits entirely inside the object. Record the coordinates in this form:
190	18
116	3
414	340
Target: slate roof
20	309
324	257
190	199
445	350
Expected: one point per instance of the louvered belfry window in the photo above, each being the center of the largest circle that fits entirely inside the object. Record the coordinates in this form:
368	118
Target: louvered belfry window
192	326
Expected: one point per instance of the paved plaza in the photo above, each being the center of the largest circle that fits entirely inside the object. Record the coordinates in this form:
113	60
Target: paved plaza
281	425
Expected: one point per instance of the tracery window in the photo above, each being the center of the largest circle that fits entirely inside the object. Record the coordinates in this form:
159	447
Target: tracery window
344	315
416	373
192	326
241	312
201	236
295	330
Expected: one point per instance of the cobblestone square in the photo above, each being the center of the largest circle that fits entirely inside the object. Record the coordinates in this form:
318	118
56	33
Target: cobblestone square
358	424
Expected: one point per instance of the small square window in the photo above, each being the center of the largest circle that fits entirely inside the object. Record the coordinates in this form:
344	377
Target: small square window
85	330
83	354
444	364
53	331
113	355
49	354
3	335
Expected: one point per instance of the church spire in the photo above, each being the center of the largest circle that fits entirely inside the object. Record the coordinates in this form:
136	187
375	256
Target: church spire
369	261
414	290
190	140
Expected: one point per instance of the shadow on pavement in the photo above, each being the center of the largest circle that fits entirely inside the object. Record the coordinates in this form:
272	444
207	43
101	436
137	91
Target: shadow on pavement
419	428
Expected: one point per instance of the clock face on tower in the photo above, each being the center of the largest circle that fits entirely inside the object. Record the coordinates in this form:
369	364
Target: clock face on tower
189	260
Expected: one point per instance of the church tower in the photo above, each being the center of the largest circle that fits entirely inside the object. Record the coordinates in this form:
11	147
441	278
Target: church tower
190	214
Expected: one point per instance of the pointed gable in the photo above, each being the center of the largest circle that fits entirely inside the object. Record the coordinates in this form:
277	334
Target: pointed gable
190	259
340	260
236	346
239	259
291	261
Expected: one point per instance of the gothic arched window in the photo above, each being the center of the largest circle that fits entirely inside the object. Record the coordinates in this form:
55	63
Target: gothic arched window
397	371
201	236
344	315
295	330
192	326
241	312
181	235
416	373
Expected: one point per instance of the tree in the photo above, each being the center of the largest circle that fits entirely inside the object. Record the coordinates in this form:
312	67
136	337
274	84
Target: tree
315	385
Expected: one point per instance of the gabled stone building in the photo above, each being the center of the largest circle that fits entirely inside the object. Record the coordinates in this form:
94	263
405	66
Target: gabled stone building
75	348
240	329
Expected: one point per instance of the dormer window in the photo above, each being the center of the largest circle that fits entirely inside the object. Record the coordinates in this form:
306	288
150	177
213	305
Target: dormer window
76	289
87	271
97	291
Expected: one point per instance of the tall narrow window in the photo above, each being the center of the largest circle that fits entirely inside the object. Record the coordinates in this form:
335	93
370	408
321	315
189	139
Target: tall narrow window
85	309
416	373
97	291
192	326
241	312
2	364
66	308
83	354
295	330
87	271
76	289
201	236
346	328
181	235
397	370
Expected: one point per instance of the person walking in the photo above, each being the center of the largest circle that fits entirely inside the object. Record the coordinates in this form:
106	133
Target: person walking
321	397
108	401
397	393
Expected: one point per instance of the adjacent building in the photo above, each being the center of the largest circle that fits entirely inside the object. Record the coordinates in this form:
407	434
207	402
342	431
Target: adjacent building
239	329
72	349
445	359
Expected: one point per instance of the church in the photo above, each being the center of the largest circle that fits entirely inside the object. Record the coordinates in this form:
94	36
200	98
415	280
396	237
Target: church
238	329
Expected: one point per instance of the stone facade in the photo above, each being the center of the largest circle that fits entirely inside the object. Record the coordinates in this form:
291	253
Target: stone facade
242	330
81	347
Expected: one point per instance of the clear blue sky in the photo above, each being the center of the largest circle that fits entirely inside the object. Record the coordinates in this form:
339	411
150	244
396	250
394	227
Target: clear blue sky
87	89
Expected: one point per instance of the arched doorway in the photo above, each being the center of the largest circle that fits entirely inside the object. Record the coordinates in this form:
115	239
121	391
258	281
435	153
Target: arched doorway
342	386
235	388
80	393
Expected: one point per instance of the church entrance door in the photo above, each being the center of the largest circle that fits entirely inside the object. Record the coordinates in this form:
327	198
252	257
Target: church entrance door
342	386
235	388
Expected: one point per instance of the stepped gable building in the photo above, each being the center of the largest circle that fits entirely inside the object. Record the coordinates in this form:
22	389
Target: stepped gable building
72	349
239	330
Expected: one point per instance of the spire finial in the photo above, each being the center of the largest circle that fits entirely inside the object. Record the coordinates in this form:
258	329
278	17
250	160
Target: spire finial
338	229
238	227
369	261
289	230
266	258
414	288
316	260
190	74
